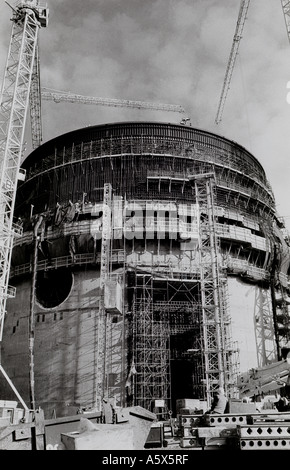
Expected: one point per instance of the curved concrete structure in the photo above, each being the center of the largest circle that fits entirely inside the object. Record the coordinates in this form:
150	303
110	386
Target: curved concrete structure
155	266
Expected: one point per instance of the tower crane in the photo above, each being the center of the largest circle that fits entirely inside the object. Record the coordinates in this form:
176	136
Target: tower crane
58	96
27	18
232	59
286	10
235	47
21	91
65	96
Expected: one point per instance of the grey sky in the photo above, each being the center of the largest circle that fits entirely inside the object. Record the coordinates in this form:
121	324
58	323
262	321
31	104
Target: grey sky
171	51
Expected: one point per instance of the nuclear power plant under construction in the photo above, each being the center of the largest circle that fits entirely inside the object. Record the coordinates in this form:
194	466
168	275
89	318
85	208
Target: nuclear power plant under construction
154	264
150	273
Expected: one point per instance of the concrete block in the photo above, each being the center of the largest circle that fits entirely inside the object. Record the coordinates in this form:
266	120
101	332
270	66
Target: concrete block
4	422
242	408
155	437
141	421
122	415
23	433
187	403
141	413
100	437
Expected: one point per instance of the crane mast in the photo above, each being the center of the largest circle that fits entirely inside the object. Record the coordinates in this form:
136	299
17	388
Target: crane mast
232	59
35	103
286	10
27	18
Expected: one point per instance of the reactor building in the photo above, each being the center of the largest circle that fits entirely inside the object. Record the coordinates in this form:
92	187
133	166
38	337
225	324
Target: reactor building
152	267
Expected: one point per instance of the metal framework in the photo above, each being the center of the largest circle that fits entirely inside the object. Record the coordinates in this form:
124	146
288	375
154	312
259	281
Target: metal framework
264	328
13	108
35	103
232	59
213	315
103	321
151	351
59	96
235	47
286	10
281	302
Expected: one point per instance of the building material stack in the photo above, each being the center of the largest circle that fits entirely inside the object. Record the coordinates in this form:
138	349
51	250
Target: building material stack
188	430
209	431
256	431
267	432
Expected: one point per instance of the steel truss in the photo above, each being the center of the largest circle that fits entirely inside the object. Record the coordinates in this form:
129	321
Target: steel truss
264	330
282	316
233	56
13	108
35	103
286	10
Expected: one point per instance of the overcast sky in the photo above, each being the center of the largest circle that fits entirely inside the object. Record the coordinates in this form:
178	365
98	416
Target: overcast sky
176	52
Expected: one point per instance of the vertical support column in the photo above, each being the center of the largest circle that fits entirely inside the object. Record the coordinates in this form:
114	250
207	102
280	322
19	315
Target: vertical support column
264	327
101	375
213	340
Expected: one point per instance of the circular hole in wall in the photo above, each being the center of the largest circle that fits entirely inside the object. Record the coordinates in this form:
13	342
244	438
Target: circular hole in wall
53	287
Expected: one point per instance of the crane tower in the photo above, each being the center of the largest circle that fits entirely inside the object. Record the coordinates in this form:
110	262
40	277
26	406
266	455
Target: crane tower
286	11
28	17
232	59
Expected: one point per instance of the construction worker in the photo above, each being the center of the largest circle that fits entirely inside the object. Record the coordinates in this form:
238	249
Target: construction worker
282	404
219	403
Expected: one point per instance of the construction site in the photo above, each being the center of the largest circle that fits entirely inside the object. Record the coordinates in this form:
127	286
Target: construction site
150	269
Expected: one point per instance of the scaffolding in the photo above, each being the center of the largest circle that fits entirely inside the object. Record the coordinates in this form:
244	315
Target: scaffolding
151	347
187	257
217	349
103	319
281	302
264	327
